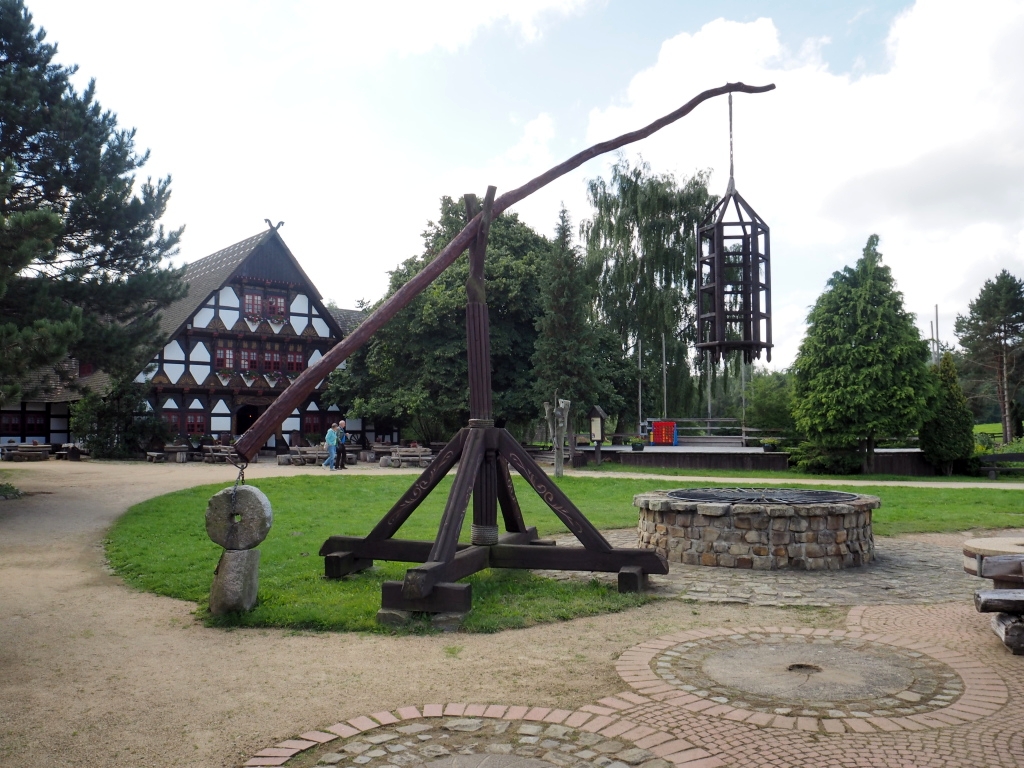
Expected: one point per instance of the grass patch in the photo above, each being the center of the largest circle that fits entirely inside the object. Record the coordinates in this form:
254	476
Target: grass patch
994	428
9	491
789	475
161	546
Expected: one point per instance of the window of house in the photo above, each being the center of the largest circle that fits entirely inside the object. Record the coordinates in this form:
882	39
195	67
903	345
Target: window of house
85	369
295	360
173	421
195	423
275	306
311	423
272	361
253	305
248	359
225	355
10	423
35	423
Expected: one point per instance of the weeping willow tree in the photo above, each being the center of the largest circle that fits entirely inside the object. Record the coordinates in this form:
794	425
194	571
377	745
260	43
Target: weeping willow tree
641	250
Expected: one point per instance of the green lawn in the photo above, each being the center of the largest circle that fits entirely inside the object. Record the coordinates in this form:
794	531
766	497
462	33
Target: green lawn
161	546
994	428
789	475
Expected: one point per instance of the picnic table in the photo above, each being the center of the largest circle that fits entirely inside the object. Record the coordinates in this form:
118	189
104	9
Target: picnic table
213	454
990	463
298	456
399	457
26	452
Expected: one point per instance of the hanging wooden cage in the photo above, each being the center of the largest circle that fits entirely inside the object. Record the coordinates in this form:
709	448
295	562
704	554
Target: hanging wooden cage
734	295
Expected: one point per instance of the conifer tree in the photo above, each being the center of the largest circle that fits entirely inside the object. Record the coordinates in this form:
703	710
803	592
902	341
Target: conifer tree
566	357
80	247
992	334
948	434
861	370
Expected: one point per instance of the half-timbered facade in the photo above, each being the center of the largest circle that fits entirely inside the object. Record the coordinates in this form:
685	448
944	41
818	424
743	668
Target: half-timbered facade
252	321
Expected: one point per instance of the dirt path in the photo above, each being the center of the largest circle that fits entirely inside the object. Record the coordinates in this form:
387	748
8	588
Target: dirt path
94	673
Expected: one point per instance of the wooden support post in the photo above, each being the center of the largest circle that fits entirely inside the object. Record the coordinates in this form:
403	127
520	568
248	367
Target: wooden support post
427	481
511	514
558	502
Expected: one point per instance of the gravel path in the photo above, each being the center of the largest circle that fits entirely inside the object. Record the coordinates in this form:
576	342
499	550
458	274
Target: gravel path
94	673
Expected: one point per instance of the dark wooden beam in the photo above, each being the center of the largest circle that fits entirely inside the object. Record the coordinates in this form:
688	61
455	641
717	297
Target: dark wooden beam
445	598
575	558
250	442
999	601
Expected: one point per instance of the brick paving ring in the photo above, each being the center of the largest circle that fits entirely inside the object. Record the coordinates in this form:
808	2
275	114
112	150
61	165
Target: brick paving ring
818	680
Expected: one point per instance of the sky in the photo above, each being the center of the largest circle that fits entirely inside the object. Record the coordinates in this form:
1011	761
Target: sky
348	121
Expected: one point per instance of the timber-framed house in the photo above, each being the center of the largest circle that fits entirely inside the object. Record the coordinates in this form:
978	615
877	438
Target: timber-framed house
251	322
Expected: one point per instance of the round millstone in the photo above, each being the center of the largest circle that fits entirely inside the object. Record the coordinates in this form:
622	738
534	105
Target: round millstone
817	676
239	518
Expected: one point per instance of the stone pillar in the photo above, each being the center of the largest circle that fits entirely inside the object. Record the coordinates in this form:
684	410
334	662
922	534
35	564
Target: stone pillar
238	519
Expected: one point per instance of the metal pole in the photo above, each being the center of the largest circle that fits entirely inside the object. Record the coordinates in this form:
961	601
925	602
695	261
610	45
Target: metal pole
639	385
664	381
743	399
936	333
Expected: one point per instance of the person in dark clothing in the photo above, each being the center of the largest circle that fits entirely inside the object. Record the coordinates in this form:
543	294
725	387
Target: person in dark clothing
342	459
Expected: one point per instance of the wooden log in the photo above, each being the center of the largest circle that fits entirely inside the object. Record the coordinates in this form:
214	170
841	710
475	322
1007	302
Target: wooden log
270	420
575	558
445	598
1010	629
999	601
1005	569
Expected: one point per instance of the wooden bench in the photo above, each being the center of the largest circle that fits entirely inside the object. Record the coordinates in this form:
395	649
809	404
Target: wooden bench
407	457
990	464
1006	601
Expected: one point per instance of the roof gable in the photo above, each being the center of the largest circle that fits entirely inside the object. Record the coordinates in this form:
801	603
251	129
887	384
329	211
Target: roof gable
264	257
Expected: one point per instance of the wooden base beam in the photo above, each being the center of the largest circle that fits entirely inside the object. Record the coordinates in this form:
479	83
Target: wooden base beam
444	598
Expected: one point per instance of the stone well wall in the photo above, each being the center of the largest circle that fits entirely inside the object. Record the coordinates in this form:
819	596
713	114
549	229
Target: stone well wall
761	536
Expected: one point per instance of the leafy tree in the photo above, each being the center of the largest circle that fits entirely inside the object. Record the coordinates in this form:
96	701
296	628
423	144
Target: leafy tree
770	402
113	426
80	249
861	370
640	246
948	434
992	334
566	357
414	369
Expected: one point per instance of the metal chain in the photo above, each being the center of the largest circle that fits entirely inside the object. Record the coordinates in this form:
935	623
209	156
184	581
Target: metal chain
240	480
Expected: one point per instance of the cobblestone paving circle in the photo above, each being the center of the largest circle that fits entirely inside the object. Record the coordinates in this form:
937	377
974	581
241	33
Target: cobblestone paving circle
904	573
673	670
809	675
496	737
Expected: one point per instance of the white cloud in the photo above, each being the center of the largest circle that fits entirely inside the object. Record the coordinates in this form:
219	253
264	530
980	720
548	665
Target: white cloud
929	154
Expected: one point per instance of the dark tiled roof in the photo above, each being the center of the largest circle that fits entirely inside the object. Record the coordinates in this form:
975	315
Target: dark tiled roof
60	383
347	319
205	276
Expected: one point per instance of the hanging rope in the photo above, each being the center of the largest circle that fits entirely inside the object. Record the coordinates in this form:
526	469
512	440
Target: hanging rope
730	140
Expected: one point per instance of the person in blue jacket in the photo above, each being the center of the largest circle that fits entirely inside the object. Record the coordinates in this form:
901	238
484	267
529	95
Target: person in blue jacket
331	438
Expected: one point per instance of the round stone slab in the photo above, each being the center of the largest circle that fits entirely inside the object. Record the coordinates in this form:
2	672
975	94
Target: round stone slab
810	676
990	547
239	518
488	761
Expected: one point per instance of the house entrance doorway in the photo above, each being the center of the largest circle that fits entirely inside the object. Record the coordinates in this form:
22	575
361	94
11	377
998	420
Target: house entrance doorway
245	418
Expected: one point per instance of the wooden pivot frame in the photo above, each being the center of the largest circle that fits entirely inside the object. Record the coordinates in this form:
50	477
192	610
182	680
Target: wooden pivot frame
484	454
